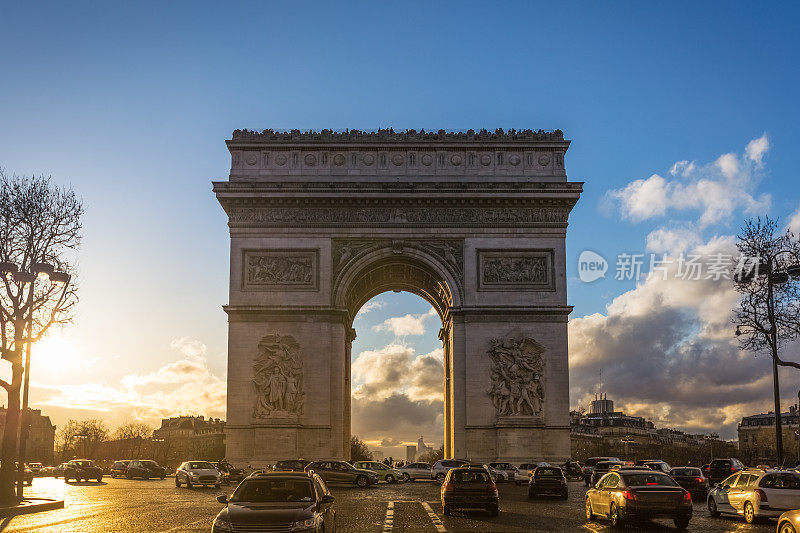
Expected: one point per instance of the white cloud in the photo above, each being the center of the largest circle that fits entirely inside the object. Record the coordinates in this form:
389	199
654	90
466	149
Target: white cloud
757	148
672	241
183	386
715	190
794	222
370	306
408	324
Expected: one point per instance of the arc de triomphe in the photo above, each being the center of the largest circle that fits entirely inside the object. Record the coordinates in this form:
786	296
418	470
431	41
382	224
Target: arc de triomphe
473	222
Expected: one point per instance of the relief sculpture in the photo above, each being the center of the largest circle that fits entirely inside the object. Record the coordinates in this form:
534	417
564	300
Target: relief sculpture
517	377
278	378
515	270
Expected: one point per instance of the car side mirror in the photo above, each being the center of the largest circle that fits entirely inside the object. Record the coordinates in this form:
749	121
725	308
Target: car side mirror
222	498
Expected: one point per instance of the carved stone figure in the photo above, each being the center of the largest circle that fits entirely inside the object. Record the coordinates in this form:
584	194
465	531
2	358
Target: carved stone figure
280	270
517	375
278	378
515	270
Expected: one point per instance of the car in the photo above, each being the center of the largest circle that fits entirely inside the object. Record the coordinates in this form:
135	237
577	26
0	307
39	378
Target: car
119	468
386	473
631	494
508	468
291	465
525	470
660	466
278	501
548	480
58	471
442	466
145	469
413	471
498	476
692	479
754	493
720	469
642	462
342	472
35	468
469	487
193	473
47	471
789	522
588	467
603	467
82	469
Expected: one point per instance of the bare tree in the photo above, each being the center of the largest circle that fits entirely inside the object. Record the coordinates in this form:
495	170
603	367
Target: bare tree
81	438
769	310
39	232
131	437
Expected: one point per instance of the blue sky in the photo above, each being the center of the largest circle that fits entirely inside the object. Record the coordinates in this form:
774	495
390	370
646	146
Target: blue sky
131	104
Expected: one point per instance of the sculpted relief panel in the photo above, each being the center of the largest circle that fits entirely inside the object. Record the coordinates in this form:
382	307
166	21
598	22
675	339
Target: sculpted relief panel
281	270
517	376
278	378
514	270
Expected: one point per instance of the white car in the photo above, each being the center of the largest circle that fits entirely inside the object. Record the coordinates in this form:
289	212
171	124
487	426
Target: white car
754	493
413	471
193	473
508	469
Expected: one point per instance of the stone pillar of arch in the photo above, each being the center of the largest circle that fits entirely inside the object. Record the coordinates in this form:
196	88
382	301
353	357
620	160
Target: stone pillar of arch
473	222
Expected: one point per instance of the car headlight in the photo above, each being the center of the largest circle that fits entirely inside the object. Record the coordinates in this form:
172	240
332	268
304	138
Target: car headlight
300	525
221	523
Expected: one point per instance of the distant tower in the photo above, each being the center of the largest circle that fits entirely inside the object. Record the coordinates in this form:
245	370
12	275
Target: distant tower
602	405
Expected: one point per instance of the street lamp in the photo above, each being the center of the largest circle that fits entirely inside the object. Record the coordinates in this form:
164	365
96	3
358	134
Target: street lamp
43	271
773	277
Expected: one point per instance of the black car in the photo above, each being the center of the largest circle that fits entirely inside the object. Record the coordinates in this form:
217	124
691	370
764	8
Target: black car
631	495
719	469
602	468
82	469
591	462
659	466
548	480
293	465
469	487
119	468
145	469
278	501
692	479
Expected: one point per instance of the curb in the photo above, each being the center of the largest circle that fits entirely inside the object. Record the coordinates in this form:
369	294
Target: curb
31	505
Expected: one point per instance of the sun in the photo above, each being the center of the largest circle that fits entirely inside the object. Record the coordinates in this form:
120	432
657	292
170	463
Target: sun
54	353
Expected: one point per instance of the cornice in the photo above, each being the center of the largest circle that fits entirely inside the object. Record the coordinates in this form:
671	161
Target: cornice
378	186
389	136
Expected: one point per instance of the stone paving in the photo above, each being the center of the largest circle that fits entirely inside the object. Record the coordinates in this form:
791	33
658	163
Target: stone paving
121	505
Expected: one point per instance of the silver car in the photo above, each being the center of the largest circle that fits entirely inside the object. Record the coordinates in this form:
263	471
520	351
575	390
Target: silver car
193	473
789	522
413	471
509	469
440	469
754	493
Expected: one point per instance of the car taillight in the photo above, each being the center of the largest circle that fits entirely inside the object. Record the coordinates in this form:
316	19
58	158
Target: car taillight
733	469
628	495
762	495
699	479
687	496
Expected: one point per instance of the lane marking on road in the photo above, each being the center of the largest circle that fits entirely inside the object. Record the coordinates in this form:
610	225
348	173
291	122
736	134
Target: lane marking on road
593	528
437	523
388	522
186	526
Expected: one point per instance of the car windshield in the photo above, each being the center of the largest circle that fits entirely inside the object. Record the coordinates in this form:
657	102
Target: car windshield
720	463
641	480
274	490
469	476
84	463
547	472
686	472
200	465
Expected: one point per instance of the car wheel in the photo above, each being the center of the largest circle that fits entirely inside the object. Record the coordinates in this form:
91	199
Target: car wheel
439	477
712	508
749	513
445	510
616	518
188	483
362	481
682	522
589	513
390	478
177	483
100	479
786	527
406	477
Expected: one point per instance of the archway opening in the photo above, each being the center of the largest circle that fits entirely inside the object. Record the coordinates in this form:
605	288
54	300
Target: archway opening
397	383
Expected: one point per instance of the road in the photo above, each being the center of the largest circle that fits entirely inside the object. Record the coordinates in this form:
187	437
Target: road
121	505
